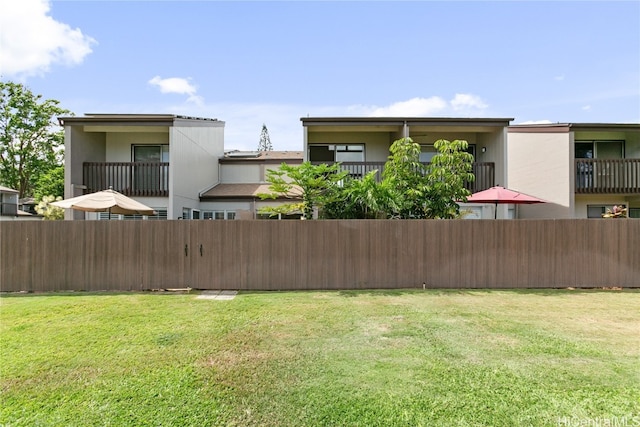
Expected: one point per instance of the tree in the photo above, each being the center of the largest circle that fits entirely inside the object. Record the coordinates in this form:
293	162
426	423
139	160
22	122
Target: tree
265	141
432	191
50	183
446	176
315	185
404	173
361	199
30	146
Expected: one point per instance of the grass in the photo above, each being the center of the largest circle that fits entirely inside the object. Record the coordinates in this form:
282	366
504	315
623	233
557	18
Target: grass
379	358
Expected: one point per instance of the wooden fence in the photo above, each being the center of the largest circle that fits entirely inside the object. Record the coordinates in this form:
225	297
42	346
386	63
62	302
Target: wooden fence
340	254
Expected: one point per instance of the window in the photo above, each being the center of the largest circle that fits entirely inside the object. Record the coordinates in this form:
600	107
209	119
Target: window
150	177
599	149
161	214
427	152
150	153
595	211
634	212
219	215
278	216
336	153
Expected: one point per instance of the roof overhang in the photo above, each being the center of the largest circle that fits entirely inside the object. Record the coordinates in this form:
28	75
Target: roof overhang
137	120
568	127
401	121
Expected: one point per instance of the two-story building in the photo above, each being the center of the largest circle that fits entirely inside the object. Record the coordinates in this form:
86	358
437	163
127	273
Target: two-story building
162	160
361	144
177	164
581	169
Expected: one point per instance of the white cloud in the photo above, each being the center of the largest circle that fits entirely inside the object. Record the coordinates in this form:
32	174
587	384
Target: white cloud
414	107
559	78
424	107
32	41
177	85
466	101
586	108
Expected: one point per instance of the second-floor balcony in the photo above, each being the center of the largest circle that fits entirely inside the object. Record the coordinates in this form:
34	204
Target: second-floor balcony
484	172
607	176
142	179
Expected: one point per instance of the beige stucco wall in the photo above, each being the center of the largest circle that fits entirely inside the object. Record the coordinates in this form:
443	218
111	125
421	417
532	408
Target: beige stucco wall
541	165
119	144
241	173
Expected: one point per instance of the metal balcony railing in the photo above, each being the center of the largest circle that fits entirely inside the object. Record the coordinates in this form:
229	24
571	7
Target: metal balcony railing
149	179
484	172
607	176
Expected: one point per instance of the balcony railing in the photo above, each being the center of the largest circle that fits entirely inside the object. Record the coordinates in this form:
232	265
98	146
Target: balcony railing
149	179
607	176
484	172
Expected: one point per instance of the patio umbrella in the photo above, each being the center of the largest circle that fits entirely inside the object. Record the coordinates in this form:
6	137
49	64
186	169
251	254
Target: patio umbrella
502	195
105	201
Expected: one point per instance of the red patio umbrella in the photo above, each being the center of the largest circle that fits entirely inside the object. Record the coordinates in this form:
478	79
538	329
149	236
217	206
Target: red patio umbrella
503	195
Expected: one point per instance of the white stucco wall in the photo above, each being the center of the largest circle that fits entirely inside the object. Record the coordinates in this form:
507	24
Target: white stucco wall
194	164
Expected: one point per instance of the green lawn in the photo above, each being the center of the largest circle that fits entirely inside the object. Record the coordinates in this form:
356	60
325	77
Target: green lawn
379	358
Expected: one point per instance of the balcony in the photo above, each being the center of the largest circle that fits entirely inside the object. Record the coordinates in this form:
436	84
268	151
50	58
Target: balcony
142	179
607	176
484	172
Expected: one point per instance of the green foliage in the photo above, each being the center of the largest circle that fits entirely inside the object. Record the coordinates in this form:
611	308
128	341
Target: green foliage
404	173
408	190
50	183
47	211
446	177
30	145
432	191
316	185
361	199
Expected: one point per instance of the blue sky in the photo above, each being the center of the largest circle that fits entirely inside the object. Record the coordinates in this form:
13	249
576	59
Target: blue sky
249	63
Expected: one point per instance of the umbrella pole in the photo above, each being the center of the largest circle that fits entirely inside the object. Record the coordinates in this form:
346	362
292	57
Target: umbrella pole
109	214
495	212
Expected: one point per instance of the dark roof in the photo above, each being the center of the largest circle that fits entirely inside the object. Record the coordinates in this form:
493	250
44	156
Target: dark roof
235	191
262	156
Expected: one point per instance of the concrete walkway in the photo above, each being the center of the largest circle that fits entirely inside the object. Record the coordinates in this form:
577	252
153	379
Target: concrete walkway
220	295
